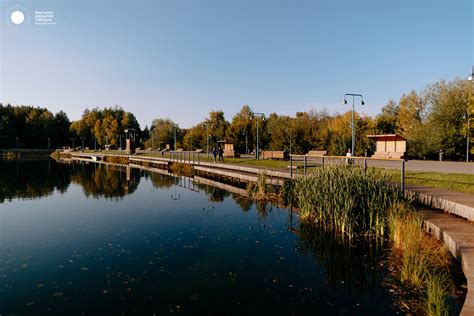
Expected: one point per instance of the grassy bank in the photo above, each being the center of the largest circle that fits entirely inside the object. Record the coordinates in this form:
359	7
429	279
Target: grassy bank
449	181
420	262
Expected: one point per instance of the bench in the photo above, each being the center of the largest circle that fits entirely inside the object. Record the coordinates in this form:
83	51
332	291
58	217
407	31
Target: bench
317	153
389	155
273	154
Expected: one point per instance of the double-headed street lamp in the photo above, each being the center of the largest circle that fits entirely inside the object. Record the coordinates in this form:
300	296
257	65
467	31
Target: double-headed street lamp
257	154
353	114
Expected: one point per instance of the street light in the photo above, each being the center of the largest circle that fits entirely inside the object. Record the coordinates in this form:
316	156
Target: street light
207	138
246	142
468	132
175	128
82	138
16	143
467	116
49	143
289	130
73	139
257	154
352	124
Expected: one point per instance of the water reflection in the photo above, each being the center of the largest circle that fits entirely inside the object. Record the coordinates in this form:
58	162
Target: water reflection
351	264
208	252
29	179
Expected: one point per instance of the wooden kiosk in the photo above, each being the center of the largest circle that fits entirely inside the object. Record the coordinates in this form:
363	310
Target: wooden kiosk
389	146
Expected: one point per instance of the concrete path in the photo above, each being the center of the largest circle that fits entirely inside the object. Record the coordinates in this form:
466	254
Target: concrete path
457	203
458	235
427	166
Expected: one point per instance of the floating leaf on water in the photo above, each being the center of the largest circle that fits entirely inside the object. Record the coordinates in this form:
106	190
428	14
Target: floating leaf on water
84	268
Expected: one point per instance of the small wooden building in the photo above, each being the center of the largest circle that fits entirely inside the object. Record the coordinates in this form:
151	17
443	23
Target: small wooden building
389	146
228	147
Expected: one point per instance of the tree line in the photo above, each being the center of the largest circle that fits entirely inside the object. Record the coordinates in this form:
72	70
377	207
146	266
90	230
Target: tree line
434	119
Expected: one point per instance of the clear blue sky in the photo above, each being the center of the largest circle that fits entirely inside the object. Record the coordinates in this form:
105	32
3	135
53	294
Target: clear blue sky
182	59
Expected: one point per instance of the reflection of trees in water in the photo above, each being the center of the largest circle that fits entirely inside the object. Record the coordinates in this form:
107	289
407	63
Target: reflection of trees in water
160	180
218	195
31	179
263	209
244	202
351	264
107	181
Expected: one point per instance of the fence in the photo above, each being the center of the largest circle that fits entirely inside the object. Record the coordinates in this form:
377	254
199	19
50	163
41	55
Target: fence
321	161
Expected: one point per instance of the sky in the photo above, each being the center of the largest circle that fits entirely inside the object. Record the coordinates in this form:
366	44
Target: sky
180	59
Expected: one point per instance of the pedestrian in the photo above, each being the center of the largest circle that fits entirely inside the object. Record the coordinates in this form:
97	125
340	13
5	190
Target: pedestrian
348	155
214	154
221	154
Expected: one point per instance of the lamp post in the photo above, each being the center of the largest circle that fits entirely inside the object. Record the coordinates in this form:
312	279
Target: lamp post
82	138
174	128
49	143
257	154
289	130
353	114
73	139
207	138
246	142
16	142
467	117
468	132
95	144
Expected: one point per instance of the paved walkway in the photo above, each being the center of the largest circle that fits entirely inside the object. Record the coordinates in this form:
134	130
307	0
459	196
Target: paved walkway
457	203
428	166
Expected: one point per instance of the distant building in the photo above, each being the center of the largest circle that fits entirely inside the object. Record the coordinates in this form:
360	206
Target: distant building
389	146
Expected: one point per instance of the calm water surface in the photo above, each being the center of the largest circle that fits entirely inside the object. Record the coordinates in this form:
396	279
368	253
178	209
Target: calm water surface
92	239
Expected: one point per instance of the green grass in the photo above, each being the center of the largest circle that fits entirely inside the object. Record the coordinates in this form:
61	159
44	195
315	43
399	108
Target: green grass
449	181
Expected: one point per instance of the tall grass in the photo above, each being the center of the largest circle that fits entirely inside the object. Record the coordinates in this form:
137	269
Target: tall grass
182	169
346	199
262	191
423	261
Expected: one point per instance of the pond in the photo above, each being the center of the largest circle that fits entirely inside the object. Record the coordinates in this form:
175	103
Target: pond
96	239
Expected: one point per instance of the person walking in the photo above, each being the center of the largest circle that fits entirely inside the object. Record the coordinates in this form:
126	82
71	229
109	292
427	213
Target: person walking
348	155
214	154
221	154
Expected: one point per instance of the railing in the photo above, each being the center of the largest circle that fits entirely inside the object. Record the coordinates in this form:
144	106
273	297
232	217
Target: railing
191	157
361	161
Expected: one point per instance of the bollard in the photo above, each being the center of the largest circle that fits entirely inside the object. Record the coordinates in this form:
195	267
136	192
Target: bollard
291	167
304	163
402	176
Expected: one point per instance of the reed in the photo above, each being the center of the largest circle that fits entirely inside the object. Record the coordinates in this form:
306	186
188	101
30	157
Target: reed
262	191
182	169
346	199
117	160
424	261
